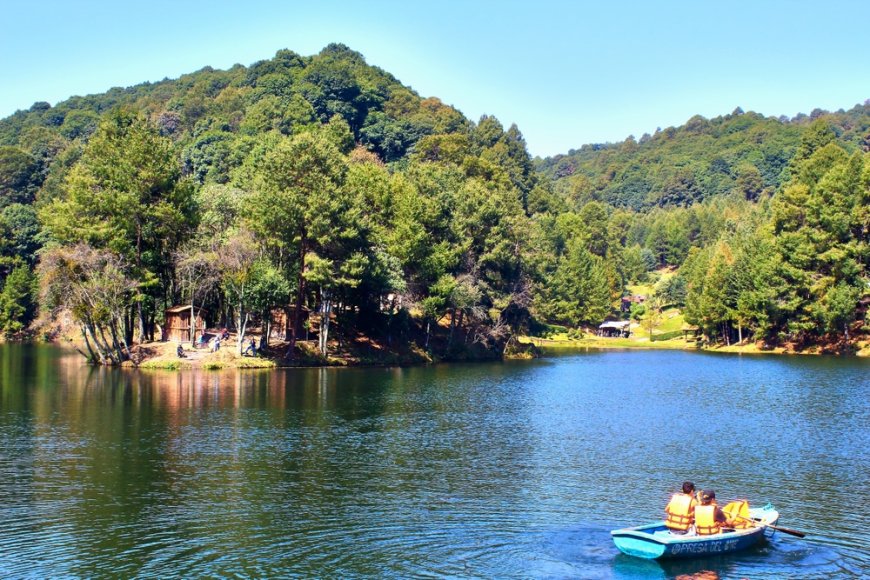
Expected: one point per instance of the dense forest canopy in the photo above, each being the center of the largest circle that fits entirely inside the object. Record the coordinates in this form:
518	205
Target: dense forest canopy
742	152
322	183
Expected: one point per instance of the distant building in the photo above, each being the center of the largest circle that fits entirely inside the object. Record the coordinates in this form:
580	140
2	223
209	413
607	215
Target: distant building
627	301
690	332
615	329
282	318
177	323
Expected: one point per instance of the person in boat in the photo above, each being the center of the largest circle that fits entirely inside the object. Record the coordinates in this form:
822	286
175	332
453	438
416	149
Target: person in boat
737	513
709	519
680	511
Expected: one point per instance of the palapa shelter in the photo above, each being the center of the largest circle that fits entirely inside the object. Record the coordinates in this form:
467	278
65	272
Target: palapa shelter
690	332
615	329
177	323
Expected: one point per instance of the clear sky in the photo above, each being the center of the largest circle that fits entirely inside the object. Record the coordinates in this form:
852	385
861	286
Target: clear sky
566	72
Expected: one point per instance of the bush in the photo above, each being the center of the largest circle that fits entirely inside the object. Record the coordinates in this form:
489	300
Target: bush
637	311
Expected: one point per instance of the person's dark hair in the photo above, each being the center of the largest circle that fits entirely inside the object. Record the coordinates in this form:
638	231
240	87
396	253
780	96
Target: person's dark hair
688	487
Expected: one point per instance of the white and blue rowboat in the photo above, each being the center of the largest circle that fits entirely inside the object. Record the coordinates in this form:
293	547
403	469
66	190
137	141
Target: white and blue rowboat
653	541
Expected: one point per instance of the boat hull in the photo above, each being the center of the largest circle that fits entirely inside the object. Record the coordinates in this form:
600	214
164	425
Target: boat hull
654	541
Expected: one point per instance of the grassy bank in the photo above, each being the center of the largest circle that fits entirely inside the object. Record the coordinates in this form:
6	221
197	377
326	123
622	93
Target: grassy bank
360	351
642	342
604	343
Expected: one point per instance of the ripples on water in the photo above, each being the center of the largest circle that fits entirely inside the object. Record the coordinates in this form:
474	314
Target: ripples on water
489	470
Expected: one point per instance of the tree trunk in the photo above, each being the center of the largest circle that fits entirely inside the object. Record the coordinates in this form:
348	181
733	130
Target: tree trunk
428	322
105	345
128	325
242	325
92	356
192	323
101	355
739	334
390	322
300	294
116	343
326	310
119	320
141	320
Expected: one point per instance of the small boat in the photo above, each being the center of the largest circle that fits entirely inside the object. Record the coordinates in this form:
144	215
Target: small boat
653	541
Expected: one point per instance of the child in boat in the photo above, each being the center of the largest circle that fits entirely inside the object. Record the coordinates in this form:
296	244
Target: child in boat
680	511
709	519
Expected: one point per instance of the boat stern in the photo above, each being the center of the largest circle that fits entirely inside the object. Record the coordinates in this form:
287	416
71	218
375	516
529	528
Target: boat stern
638	544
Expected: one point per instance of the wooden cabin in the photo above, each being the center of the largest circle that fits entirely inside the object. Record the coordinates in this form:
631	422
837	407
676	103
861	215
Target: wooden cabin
627	301
282	318
176	324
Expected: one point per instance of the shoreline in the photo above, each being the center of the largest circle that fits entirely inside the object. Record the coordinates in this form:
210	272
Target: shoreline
163	355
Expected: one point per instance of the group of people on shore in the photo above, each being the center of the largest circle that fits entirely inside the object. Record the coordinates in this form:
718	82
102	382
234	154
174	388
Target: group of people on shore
214	344
692	511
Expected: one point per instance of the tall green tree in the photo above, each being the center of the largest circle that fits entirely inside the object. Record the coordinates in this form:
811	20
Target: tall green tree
126	194
18	301
577	292
298	204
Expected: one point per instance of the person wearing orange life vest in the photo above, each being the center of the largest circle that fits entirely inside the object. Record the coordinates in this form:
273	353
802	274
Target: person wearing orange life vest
680	511
709	519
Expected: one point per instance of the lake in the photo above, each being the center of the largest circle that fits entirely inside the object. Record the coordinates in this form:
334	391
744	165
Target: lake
490	470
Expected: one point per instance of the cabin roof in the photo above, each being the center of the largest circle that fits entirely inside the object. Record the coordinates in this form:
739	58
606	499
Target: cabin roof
178	309
636	298
618	324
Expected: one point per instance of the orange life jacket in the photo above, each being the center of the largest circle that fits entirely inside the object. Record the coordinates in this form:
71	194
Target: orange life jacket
737	513
705	520
679	512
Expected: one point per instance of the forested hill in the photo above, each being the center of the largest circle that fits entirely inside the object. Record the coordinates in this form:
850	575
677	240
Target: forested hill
741	152
320	184
212	115
297	183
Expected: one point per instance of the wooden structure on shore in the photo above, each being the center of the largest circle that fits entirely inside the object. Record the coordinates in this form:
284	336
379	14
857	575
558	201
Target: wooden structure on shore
690	332
615	328
177	324
628	301
282	318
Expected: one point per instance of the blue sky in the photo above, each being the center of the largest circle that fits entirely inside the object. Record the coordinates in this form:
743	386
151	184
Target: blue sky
567	73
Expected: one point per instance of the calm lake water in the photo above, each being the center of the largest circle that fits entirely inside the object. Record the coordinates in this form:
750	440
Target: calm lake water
515	470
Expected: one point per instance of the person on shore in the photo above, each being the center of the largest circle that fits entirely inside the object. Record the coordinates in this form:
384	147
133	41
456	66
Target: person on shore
709	519
680	511
252	349
216	344
180	351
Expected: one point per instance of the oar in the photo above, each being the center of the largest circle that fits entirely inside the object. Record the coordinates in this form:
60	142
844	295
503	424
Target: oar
777	528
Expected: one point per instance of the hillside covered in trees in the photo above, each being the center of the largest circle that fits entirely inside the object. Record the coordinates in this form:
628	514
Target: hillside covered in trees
765	220
322	184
